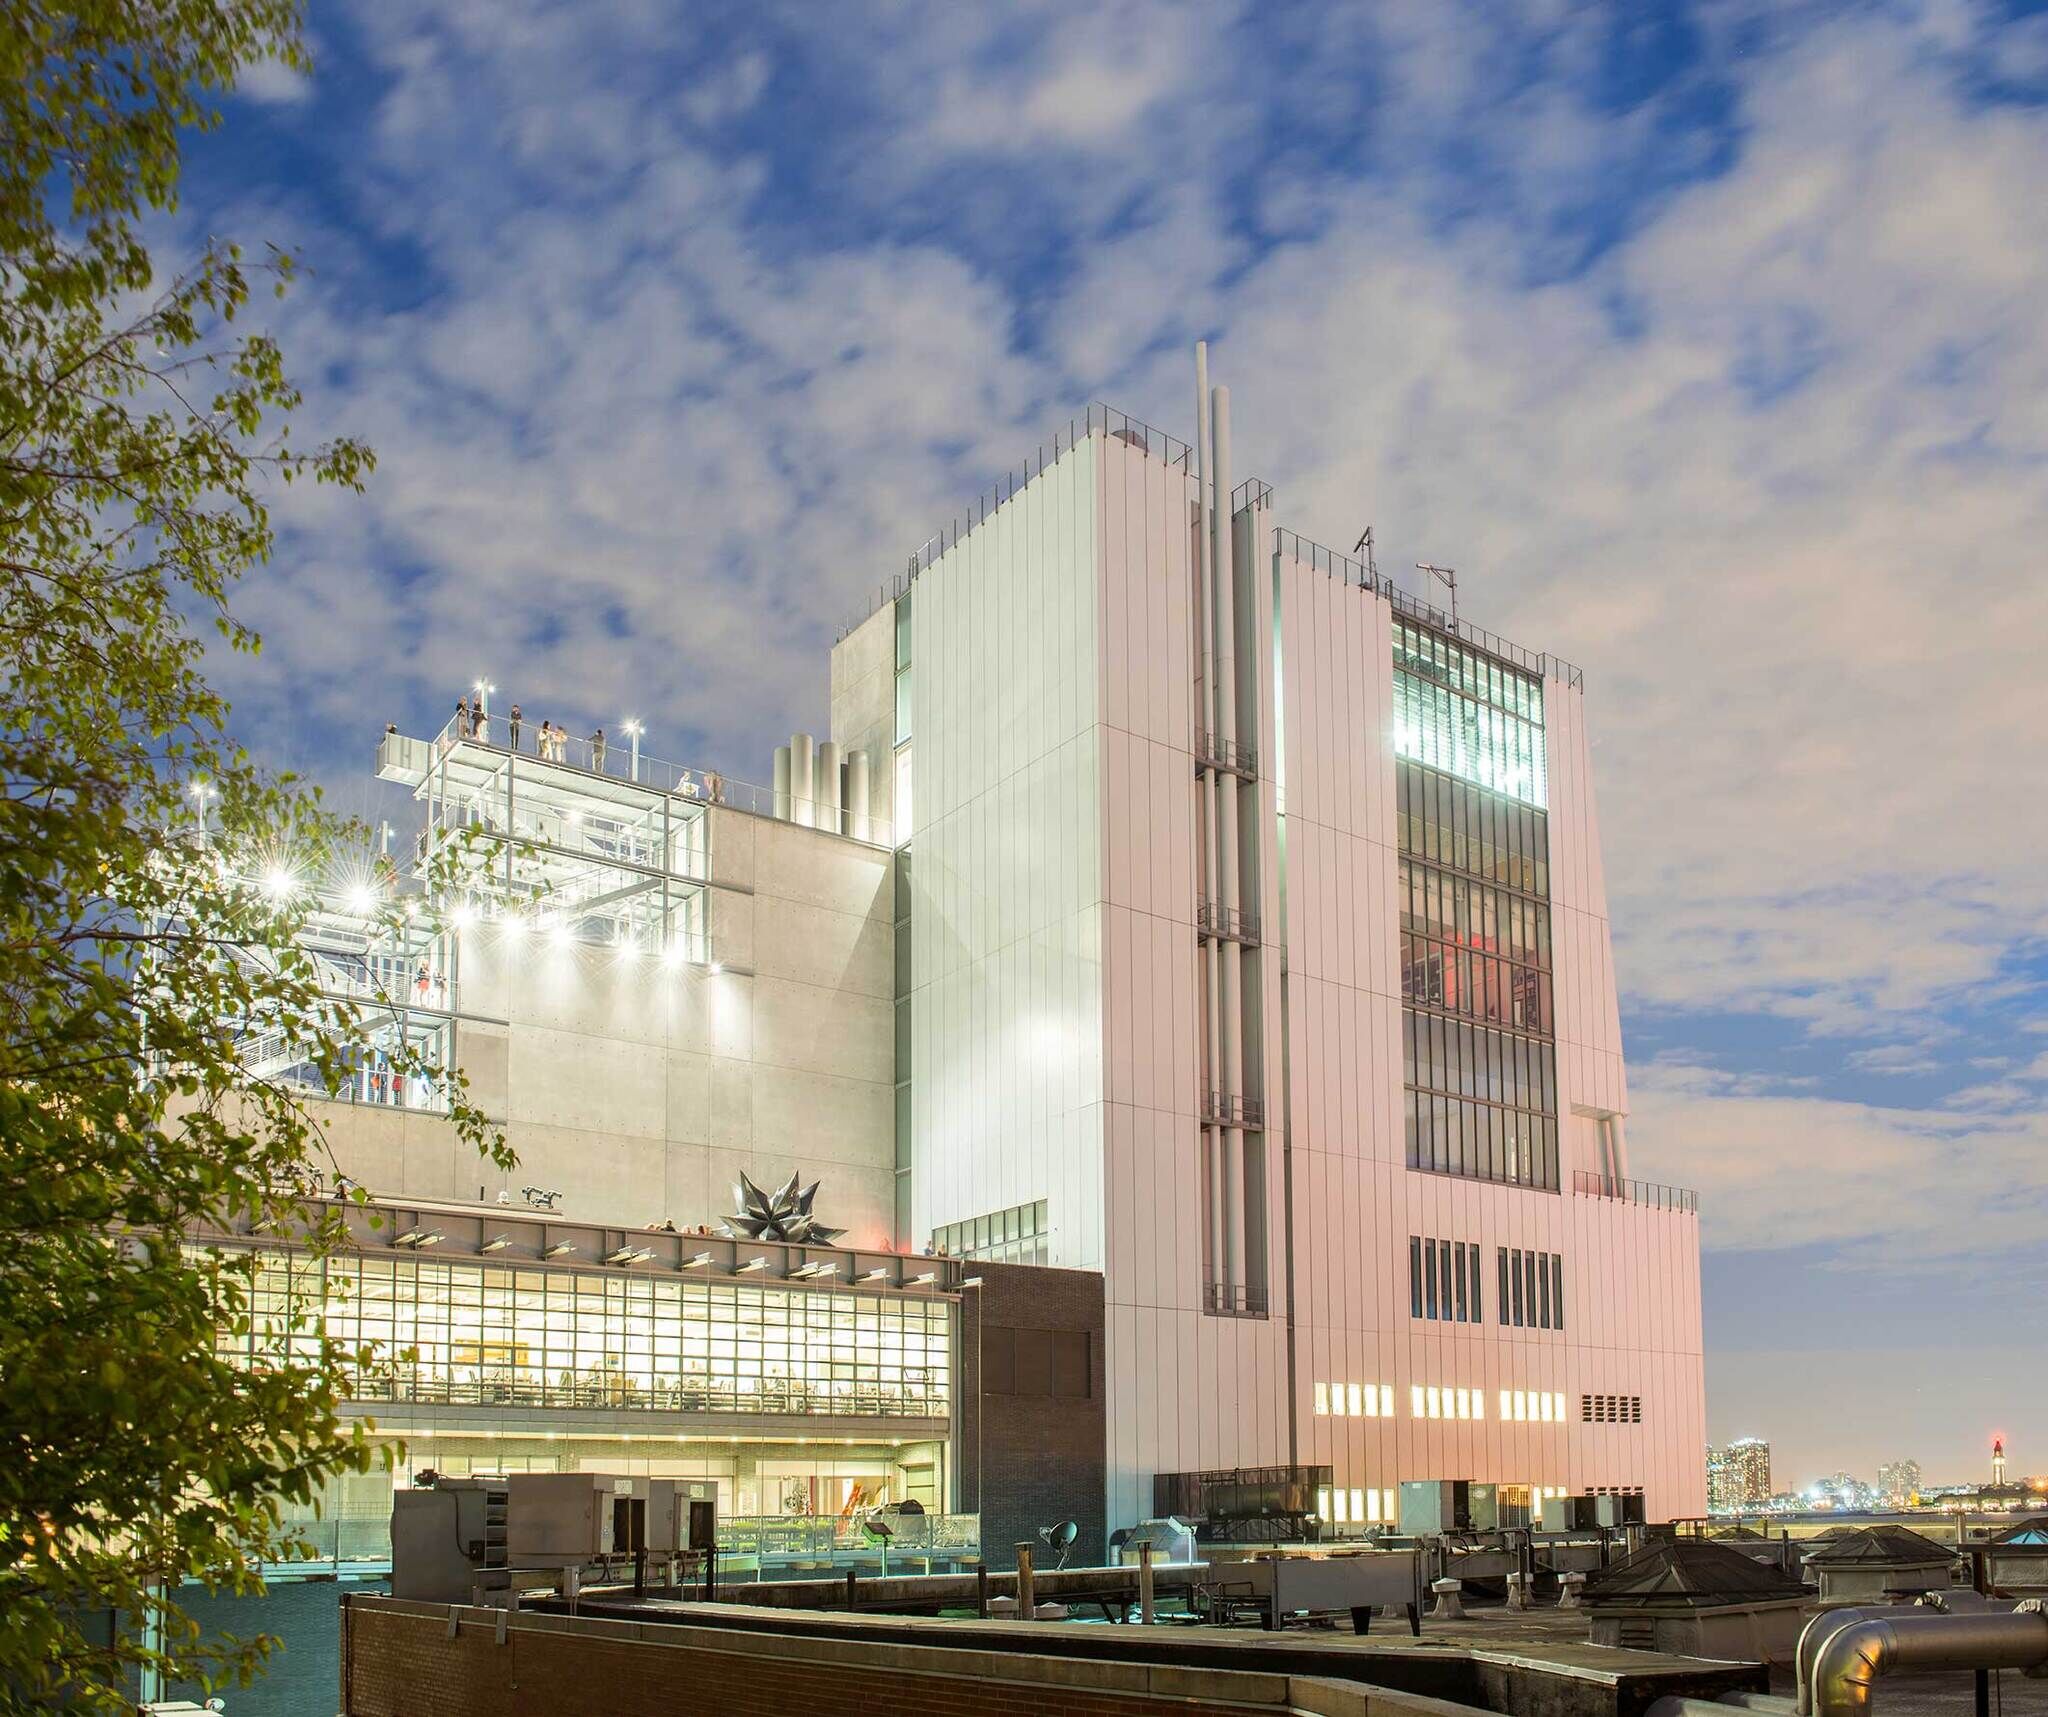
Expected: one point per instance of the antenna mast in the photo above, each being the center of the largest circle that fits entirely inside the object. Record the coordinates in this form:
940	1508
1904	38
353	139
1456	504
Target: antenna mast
1364	546
1447	576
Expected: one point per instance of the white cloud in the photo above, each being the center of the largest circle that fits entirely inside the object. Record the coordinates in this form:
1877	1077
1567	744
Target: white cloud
1770	469
272	83
1891	1187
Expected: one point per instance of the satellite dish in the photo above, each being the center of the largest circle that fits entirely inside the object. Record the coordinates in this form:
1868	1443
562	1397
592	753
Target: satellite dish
1060	1538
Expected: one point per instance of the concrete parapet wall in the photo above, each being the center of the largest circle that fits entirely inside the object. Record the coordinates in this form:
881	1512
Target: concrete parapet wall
403	1659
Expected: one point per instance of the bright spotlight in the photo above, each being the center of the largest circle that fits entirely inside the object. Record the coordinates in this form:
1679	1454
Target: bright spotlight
563	933
716	968
674	954
361	900
629	948
463	916
514	926
279	882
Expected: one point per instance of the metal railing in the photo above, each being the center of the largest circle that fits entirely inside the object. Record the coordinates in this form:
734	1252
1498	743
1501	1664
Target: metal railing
1359	576
1229	755
1097	417
1252	492
614	760
366	1540
1652	1194
617	1391
1228	1110
1227	922
1234	1299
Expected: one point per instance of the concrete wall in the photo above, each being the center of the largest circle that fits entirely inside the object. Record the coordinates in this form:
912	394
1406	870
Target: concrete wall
640	1091
864	703
1632	1323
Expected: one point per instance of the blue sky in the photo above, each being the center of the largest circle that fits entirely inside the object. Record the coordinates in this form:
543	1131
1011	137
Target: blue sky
1706	341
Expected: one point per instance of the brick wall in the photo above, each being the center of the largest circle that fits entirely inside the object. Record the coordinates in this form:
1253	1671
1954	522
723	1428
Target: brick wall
1027	1460
399	1660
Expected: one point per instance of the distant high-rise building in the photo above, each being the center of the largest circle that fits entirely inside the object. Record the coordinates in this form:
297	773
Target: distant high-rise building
1998	1460
1899	1482
1739	1476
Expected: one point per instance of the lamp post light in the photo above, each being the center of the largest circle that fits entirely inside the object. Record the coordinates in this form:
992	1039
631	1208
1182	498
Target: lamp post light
483	698
203	792
633	731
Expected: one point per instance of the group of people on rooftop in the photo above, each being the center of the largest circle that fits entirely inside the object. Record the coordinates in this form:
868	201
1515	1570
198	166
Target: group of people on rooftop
551	745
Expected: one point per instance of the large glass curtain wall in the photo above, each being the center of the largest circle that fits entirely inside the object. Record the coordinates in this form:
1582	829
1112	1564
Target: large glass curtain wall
1468	715
484	1334
1477	1023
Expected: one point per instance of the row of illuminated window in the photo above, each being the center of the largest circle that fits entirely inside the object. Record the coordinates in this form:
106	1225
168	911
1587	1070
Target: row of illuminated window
1477	985
1481	1141
1355	1400
1352	1507
1459	1059
1434	1401
1419	650
492	1335
1473	914
1020	1235
1443	1280
1453	823
903	637
1436	726
1531	1288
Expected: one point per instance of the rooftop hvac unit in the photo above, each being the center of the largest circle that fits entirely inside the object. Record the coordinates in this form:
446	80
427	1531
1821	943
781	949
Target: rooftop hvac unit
444	1536
1448	1505
559	1519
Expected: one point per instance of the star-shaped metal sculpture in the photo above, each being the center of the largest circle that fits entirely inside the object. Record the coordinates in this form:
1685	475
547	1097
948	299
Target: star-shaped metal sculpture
784	1214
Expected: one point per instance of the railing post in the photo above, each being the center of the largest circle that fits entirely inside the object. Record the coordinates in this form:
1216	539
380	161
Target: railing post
1027	1596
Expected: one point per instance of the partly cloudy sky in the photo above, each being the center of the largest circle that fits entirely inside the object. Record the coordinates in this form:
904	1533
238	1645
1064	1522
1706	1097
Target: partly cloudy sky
1709	342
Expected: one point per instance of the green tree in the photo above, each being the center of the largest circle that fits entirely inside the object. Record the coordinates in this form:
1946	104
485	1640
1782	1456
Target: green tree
141	426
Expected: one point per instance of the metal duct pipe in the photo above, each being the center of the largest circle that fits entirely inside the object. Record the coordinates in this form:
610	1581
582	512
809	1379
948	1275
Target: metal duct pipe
1848	1665
859	792
782	782
803	778
1229	962
1209	786
1678	1705
828	787
1819	1631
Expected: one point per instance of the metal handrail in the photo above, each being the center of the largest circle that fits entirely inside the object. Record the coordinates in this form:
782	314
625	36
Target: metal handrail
1230	755
614	762
1154	443
1229	922
1234	1299
1230	1110
1252	492
1652	1194
1359	576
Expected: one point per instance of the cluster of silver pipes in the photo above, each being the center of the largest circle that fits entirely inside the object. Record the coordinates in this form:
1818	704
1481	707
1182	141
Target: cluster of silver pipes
817	787
1226	667
1843	1654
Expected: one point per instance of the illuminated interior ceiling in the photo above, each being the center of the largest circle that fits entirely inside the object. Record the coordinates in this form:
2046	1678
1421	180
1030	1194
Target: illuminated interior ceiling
1468	715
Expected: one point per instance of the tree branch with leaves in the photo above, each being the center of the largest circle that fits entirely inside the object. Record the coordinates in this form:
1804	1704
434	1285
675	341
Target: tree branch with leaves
143	427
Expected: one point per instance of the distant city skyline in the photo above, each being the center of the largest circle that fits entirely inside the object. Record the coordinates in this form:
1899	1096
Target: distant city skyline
1901	1474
